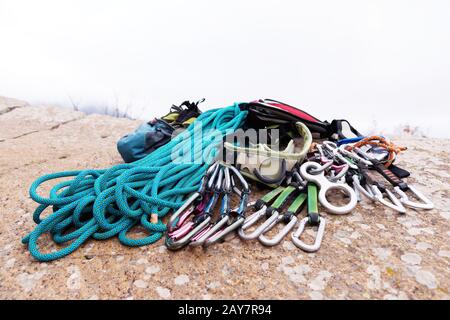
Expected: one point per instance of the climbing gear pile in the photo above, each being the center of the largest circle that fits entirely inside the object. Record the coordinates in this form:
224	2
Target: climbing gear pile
186	182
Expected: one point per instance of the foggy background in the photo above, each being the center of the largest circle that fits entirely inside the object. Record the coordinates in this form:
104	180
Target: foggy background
380	64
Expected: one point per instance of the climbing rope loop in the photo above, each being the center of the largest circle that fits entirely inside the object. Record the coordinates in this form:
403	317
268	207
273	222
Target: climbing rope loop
101	204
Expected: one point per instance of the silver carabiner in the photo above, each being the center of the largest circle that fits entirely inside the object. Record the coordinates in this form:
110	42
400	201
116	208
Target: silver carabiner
222	184
353	156
289	219
359	189
395	204
325	185
261	207
280	235
181	233
334	149
426	205
239	211
177	244
189	203
222	233
253	219
317	242
204	236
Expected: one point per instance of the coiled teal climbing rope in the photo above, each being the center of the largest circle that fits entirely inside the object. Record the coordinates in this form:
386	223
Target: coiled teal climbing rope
101	204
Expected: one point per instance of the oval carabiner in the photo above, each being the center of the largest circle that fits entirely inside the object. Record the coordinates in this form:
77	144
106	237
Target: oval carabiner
426	205
317	242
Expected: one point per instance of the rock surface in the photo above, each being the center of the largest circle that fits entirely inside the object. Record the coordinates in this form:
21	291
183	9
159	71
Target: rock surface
373	253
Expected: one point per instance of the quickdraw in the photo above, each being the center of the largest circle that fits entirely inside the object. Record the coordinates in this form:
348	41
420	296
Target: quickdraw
400	187
289	219
314	219
270	212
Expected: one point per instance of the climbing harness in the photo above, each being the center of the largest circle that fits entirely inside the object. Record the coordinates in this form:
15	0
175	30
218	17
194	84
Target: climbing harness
268	111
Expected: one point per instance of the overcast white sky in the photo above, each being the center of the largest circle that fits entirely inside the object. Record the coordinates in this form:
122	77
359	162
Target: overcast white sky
383	62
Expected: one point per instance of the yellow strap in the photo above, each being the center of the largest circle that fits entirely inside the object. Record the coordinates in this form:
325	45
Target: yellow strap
189	121
171	116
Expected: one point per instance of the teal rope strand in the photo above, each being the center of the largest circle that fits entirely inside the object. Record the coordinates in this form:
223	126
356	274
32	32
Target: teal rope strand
101	204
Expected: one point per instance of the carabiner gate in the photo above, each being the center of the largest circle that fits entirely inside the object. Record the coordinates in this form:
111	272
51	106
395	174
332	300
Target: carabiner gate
317	242
289	218
395	204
